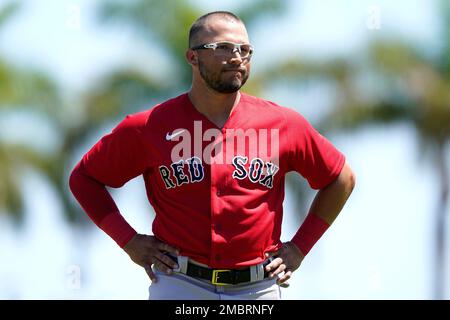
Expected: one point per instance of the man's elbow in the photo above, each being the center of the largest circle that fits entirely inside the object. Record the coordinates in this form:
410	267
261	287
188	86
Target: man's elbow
75	179
348	178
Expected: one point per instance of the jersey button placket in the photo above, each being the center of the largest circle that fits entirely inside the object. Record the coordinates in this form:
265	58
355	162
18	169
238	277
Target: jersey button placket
216	193
214	212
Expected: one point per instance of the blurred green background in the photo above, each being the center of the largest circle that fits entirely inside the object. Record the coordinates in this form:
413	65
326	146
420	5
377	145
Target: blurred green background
373	76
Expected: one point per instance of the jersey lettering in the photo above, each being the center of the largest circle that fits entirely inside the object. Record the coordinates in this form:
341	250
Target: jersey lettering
272	169
255	173
183	171
196	171
256	167
192	170
165	175
239	162
177	168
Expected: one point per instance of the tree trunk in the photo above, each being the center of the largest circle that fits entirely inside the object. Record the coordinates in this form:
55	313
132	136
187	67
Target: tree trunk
439	274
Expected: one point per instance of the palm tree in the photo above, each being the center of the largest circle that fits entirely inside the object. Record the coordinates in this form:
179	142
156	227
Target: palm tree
416	91
405	85
20	90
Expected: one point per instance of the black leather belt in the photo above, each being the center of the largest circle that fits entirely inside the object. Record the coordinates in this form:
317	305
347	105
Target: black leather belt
220	276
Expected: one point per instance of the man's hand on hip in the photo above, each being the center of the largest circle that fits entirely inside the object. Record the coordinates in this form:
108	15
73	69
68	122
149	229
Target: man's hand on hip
146	250
288	258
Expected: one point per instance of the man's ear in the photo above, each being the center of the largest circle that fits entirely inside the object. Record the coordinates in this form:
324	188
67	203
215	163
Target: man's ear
191	57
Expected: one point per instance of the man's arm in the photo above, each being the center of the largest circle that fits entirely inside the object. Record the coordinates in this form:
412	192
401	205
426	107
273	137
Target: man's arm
114	160
330	200
98	204
326	206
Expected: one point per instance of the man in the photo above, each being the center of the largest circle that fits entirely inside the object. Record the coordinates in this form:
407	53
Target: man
213	161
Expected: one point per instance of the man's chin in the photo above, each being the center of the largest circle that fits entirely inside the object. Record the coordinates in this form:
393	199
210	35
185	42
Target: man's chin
227	90
222	87
229	87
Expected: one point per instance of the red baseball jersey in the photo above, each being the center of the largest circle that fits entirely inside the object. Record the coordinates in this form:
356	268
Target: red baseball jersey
217	192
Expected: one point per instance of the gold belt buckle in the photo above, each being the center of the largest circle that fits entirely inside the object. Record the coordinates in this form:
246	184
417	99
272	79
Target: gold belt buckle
215	277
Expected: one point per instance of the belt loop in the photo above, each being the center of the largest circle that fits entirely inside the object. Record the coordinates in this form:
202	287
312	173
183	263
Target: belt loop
182	264
254	273
260	271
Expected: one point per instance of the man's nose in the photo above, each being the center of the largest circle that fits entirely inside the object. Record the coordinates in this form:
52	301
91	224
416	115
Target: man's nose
236	57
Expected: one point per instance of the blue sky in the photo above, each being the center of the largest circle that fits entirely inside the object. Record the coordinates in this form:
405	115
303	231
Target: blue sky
378	248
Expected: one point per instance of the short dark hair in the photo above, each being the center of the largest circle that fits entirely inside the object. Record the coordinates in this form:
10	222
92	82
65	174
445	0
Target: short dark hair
199	24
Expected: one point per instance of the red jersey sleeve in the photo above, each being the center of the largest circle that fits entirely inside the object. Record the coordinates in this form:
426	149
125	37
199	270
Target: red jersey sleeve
115	159
121	155
98	204
311	154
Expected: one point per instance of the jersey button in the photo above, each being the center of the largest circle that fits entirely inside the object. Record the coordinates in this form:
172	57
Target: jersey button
218	193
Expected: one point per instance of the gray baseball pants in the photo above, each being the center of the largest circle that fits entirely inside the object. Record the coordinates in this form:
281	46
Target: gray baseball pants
179	286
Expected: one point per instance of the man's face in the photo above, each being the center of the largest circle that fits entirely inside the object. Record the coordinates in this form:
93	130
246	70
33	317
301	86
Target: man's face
224	74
